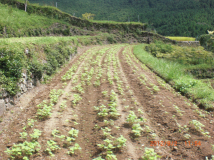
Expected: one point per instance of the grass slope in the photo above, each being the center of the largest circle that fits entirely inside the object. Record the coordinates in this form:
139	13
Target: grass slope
15	22
175	73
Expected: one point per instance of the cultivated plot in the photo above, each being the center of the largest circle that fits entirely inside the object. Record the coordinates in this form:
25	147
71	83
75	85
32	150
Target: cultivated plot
107	105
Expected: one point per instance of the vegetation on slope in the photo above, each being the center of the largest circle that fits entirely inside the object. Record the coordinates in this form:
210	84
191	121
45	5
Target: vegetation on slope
207	41
163	59
17	23
168	17
54	13
43	58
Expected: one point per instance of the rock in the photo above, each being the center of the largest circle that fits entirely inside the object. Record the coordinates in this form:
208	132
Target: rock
4	94
70	57
29	84
6	100
23	88
8	106
2	107
24	75
18	95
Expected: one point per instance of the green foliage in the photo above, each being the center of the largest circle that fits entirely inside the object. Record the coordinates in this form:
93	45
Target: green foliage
73	149
207	41
73	134
11	65
88	16
36	134
23	149
150	154
183	84
178	18
18	23
176	74
23	135
31	122
51	147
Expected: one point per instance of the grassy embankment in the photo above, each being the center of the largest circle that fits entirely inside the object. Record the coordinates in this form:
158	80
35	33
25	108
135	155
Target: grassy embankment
17	23
91	28
176	72
182	38
45	56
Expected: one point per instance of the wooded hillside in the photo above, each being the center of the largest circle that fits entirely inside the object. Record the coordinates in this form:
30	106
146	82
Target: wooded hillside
167	17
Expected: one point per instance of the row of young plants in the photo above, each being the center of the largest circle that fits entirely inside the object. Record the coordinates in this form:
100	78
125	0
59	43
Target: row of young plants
144	81
137	120
183	129
27	148
109	113
176	75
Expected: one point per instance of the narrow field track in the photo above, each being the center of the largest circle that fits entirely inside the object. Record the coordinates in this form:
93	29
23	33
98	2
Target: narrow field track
107	104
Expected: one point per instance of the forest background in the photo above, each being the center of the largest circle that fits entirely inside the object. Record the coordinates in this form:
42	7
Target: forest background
167	17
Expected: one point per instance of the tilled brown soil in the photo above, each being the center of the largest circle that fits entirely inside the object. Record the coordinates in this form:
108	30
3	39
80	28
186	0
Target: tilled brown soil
112	85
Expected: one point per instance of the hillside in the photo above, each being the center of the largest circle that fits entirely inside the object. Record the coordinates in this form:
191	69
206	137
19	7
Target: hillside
168	17
17	23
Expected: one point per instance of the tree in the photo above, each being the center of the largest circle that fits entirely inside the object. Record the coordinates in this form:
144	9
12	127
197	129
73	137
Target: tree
25	5
88	16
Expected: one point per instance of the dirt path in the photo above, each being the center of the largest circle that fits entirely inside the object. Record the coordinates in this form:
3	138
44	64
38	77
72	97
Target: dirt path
105	104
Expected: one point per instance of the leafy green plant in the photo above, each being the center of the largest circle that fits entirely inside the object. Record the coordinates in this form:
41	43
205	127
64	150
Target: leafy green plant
51	147
120	142
23	149
150	154
36	134
105	93
187	136
55	132
198	126
132	118
77	98
31	122
45	112
73	149
73	133
63	105
137	129
23	135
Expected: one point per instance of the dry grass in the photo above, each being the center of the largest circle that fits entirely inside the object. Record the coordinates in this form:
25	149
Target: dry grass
182	38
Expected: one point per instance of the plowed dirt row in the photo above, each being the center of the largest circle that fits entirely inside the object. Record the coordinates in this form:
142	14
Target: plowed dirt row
118	109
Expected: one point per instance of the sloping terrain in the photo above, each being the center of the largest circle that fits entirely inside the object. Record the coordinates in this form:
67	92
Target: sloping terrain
105	104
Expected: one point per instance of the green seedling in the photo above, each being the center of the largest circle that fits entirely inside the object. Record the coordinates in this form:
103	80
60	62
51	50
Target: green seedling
36	134
23	135
73	133
31	122
73	149
24	150
55	132
137	129
51	147
150	154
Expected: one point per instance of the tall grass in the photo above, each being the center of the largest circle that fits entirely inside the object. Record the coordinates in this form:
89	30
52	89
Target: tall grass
19	20
182	38
175	74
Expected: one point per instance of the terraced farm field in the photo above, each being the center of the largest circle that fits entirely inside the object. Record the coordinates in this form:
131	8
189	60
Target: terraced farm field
105	104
